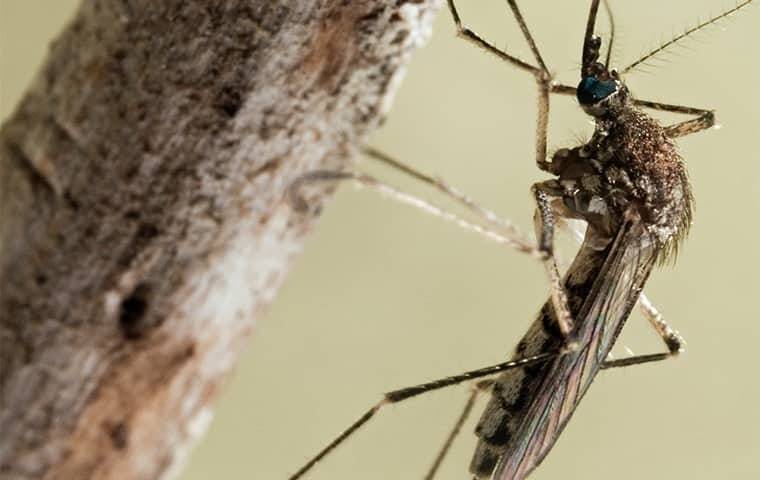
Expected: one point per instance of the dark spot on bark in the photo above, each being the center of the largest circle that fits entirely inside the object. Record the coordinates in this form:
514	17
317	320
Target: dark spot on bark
130	172
267	167
400	37
41	279
132	313
229	101
119	434
70	200
372	16
146	232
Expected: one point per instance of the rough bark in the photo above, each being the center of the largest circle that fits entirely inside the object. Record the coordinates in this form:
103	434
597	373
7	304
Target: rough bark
142	224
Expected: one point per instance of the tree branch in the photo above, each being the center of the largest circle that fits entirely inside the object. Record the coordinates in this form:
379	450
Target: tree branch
142	223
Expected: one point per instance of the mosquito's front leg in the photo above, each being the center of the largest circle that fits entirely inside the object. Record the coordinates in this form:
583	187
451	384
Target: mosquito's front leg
545	227
478	41
703	120
673	341
540	73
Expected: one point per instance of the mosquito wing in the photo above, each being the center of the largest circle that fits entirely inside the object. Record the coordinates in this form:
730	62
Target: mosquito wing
599	322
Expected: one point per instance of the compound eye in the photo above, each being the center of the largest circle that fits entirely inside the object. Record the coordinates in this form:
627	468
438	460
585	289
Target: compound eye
591	90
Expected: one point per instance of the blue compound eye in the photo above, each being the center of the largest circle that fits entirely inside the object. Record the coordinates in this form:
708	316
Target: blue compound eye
591	90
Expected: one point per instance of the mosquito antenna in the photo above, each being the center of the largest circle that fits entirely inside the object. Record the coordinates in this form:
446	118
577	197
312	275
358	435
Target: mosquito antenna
685	34
590	41
611	19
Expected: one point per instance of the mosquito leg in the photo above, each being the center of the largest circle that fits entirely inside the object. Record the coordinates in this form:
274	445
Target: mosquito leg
400	395
540	73
704	118
478	41
545	226
528	37
561	89
511	238
479	387
591	42
495	220
611	42
673	341
543	79
542	124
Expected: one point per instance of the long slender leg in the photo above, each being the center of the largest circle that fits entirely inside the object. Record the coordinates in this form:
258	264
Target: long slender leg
542	125
453	193
611	19
510	238
541	73
543	79
562	89
528	37
681	129
591	42
400	395
479	387
545	230
673	341
478	41
545	226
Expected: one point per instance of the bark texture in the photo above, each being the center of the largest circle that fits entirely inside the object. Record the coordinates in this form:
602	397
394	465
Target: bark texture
142	224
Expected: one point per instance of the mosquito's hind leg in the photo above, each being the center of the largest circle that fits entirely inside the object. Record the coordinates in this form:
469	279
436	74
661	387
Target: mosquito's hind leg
673	341
481	386
400	395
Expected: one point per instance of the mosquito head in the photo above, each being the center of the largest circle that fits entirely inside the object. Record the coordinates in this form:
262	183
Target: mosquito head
600	89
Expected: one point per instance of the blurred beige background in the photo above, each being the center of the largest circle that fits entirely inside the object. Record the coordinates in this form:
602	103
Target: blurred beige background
386	297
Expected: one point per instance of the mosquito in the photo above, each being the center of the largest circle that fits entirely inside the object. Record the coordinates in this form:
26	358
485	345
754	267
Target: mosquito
630	187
